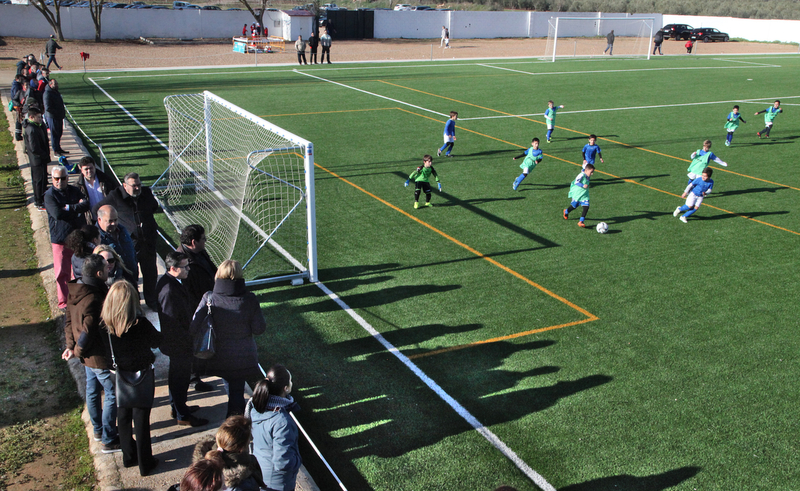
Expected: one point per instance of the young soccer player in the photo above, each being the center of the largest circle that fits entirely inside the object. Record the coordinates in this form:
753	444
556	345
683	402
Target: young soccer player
532	157
449	134
422	181
769	116
579	194
550	117
700	160
696	191
591	151
733	122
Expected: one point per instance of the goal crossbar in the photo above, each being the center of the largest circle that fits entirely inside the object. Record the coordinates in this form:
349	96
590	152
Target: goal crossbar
556	26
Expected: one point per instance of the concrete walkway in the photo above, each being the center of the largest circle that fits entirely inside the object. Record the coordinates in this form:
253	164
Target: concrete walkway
173	445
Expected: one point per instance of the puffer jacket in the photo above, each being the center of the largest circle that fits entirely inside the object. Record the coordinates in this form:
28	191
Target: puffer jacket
82	323
275	437
241	472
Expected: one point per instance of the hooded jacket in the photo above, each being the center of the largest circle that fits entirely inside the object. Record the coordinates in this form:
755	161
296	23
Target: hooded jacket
275	437
36	143
241	472
82	322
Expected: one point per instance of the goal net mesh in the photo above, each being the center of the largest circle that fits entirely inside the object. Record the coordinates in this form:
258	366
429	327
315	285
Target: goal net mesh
570	37
243	180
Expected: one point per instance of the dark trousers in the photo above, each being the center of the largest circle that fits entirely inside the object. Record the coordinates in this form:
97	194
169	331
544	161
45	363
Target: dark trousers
52	59
235	388
56	126
326	49
180	374
313	55
39	182
146	256
136	451
301	57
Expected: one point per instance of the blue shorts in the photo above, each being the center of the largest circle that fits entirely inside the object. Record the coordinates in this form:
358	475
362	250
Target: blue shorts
575	204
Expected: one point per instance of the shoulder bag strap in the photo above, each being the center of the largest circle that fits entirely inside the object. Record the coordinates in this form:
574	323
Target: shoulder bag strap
111	345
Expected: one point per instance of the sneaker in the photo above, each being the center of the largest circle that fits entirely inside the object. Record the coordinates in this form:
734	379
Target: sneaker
447	155
581	225
41	208
439	153
98	436
565	214
112	447
684	220
428	204
192	421
758	134
676	212
548	140
727	143
416	205
191	409
515	185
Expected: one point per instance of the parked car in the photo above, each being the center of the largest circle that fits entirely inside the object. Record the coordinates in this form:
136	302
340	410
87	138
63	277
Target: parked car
707	34
331	6
422	7
677	31
210	7
402	6
158	7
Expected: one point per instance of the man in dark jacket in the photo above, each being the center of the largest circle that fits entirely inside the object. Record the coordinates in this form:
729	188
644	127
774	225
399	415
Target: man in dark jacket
137	206
94	184
35	139
50	51
175	315
87	341
54	113
115	235
65	212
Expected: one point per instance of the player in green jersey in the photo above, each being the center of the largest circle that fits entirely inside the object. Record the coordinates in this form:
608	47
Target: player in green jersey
579	194
422	182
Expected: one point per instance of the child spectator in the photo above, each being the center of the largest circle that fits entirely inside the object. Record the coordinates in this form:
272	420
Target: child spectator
203	475
550	118
591	151
532	157
449	135
422	181
733	122
769	116
689	46
700	160
240	470
579	194
275	434
696	191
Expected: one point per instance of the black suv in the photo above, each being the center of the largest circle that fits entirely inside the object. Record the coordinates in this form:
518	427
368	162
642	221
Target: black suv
677	31
707	34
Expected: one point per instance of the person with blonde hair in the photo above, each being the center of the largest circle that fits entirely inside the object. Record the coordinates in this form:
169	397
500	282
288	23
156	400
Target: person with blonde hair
131	339
231	444
116	266
237	319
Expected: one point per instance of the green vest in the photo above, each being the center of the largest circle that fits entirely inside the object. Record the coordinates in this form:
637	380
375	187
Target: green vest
699	163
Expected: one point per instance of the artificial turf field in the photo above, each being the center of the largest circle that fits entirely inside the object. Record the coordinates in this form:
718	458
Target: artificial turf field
661	355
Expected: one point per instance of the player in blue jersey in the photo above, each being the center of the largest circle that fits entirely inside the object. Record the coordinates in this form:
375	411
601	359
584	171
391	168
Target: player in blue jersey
696	191
532	157
733	122
591	151
579	194
449	134
700	159
769	117
550	117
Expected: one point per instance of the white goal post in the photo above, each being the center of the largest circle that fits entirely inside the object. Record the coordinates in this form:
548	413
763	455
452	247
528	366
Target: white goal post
248	182
568	37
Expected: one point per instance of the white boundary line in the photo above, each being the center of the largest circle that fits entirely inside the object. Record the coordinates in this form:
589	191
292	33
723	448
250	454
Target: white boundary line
626	69
458	408
748	63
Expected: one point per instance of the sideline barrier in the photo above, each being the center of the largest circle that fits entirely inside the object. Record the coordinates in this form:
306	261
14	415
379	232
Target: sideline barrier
259	44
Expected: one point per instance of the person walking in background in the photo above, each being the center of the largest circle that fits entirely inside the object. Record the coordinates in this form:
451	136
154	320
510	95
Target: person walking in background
131	339
444	36
237	319
313	42
300	46
38	150
54	113
657	40
325	41
50	51
610	43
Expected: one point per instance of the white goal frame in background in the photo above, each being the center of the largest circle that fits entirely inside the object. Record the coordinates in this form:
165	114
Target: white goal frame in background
634	35
248	182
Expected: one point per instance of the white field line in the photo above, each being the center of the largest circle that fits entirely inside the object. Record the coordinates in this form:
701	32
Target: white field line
485	432
747	62
458	408
578	72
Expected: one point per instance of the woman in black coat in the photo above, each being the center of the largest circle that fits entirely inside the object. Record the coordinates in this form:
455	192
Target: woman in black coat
237	319
131	337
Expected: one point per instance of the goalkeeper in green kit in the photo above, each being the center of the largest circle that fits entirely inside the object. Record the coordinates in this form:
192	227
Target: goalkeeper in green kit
422	180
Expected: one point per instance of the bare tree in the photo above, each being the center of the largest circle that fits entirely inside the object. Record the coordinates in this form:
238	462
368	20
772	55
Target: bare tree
54	19
96	9
257	13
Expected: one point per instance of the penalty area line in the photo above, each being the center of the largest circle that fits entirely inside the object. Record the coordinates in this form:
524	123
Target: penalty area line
447	398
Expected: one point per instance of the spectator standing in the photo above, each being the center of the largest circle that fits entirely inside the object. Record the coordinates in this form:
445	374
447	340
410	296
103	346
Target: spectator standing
244	30
610	43
237	319
94	184
445	35
116	266
131	338
325	41
18	89
115	235
300	46
54	113
65	212
82	242
136	207
202	269
657	40
313	42
38	150
175	315
86	340
50	51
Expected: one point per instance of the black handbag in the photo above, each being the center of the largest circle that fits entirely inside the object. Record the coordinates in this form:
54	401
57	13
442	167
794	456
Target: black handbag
134	389
206	340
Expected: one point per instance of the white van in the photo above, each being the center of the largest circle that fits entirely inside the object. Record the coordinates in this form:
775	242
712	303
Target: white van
402	6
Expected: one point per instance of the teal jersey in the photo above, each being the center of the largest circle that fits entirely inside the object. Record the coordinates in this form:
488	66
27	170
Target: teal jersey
770	114
423	174
733	121
550	115
532	157
699	162
577	192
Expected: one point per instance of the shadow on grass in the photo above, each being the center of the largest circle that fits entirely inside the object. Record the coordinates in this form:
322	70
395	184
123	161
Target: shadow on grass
657	482
749	191
740	215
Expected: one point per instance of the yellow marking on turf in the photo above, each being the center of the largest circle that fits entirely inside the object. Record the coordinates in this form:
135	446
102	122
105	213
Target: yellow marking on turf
465	246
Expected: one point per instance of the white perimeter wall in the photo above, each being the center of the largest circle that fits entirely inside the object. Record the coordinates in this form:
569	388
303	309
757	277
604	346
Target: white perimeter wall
787	31
76	23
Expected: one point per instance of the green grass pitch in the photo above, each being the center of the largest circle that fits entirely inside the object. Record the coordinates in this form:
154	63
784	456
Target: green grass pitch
661	355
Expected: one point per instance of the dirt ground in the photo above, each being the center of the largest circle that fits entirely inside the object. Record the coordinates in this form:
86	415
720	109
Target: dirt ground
166	53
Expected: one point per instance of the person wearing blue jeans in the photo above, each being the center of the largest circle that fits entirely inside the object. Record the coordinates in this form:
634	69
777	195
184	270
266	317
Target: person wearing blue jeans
102	413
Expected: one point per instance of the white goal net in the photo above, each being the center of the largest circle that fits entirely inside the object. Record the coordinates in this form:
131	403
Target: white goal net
572	37
249	183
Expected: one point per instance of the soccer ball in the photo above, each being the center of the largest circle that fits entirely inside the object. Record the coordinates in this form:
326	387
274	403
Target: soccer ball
602	227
